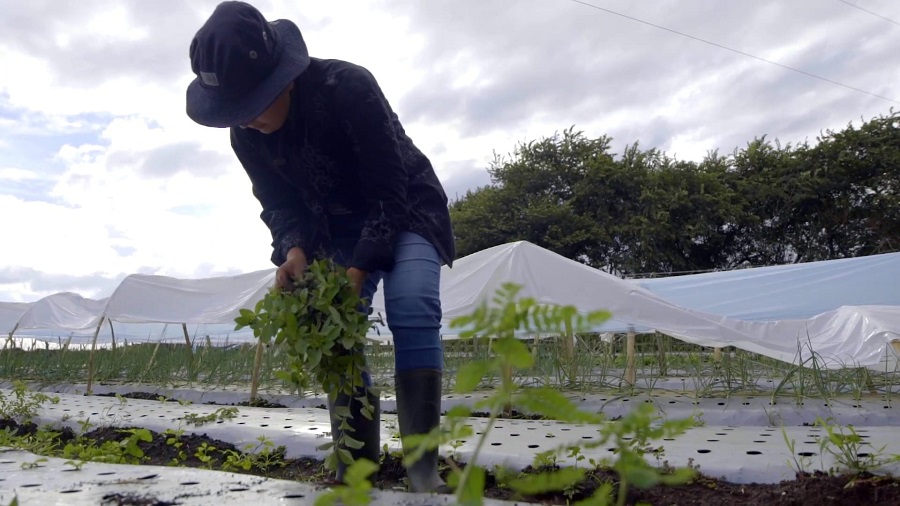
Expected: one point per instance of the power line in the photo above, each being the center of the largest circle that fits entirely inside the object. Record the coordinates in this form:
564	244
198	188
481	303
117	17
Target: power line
742	53
889	20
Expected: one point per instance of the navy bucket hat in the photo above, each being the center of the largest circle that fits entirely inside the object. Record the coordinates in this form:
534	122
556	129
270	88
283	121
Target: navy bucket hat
242	63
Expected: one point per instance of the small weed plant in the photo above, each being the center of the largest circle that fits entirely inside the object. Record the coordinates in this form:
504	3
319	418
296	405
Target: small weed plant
36	463
206	454
126	451
173	439
219	415
849	449
631	437
262	456
22	405
319	325
799	463
356	489
42	442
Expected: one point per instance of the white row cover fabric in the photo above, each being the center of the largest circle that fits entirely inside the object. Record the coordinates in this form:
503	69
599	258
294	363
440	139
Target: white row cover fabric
64	310
846	336
143	298
10	313
786	291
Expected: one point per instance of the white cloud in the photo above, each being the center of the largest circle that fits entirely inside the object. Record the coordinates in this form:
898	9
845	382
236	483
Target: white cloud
111	221
92	106
106	183
17	175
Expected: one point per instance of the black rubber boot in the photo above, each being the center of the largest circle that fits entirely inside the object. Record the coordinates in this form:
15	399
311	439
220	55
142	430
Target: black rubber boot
419	411
365	430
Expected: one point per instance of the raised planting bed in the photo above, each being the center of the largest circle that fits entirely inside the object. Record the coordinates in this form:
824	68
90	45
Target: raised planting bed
740	463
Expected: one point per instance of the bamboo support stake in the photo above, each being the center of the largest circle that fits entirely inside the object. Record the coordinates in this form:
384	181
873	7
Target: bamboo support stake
506	371
187	341
90	378
569	351
629	359
506	375
661	351
112	332
9	342
254	377
569	342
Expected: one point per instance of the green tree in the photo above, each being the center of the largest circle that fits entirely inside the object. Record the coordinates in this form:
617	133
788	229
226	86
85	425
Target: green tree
533	197
685	216
642	211
769	194
483	218
836	199
856	207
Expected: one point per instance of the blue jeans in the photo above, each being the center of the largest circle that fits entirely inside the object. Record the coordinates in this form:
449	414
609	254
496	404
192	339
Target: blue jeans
412	300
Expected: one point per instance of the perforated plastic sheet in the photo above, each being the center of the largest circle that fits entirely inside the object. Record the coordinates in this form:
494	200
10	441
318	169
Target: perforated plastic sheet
52	482
762	451
754	410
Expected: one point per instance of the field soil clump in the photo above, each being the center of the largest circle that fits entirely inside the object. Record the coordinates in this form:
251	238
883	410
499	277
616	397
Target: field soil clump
147	396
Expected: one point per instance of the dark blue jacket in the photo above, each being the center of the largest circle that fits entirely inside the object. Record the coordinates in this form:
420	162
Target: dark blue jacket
342	160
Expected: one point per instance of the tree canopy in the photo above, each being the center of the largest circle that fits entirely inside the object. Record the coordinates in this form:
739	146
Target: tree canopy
642	211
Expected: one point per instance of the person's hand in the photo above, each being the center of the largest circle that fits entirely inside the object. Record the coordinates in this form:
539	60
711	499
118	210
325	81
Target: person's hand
358	277
291	270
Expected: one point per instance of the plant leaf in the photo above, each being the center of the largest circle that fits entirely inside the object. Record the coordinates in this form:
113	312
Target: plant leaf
548	481
349	442
472	491
550	401
470	375
515	352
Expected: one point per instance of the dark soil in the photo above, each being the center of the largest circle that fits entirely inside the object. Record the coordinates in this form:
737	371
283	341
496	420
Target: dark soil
512	415
133	500
259	403
818	489
146	396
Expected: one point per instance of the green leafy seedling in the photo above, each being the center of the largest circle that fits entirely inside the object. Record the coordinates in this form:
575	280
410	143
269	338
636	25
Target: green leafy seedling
356	490
318	324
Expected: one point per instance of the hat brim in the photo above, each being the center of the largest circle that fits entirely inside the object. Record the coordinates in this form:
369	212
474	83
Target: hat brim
293	59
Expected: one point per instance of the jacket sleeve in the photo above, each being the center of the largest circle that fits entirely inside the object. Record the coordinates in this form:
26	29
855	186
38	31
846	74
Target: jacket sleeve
368	121
289	220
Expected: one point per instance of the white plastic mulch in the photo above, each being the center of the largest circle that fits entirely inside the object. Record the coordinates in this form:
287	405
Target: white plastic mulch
53	483
741	440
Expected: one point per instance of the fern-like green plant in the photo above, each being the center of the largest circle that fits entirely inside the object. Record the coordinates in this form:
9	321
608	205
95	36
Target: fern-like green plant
23	404
356	489
504	317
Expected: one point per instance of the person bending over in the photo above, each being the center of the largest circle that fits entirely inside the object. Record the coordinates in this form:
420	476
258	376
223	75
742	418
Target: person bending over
337	177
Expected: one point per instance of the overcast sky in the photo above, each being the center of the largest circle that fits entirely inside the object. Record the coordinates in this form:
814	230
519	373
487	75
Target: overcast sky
102	174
